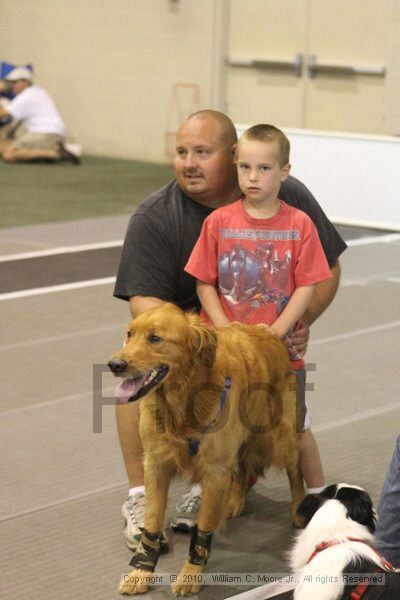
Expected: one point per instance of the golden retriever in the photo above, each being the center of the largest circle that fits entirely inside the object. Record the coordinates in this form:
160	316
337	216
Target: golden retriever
184	370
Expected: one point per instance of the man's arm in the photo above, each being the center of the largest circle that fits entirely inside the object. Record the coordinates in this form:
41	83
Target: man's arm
146	272
324	293
138	304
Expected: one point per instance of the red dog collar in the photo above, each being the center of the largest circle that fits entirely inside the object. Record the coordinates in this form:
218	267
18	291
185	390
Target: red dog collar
358	591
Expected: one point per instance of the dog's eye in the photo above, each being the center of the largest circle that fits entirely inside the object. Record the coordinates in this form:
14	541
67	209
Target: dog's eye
128	335
154	339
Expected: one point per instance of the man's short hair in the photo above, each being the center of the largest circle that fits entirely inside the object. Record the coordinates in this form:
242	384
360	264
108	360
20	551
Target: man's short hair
271	135
227	128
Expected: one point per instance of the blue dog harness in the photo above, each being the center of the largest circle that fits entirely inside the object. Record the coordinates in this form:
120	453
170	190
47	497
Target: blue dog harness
193	444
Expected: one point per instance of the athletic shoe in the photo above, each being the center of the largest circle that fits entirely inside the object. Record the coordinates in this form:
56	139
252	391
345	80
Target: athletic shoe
67	155
133	512
186	512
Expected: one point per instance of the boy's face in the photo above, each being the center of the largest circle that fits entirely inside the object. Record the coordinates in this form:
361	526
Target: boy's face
259	172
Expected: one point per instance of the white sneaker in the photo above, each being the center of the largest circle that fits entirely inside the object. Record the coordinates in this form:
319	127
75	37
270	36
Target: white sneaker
186	512
73	148
133	512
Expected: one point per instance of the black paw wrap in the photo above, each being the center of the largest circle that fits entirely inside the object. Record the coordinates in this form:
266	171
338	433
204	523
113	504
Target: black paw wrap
200	546
148	551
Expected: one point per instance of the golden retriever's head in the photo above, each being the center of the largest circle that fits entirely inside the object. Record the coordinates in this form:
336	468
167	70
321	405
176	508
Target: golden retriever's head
161	341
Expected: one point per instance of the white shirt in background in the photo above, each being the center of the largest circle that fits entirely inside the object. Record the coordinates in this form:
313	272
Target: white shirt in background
37	110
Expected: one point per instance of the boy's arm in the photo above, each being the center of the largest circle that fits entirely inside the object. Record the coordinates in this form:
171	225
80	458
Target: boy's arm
293	311
210	301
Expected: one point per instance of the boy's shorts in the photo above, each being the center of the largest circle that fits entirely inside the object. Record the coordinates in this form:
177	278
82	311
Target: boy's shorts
303	411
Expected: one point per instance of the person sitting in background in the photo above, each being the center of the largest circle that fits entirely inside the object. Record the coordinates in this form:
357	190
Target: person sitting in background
38	131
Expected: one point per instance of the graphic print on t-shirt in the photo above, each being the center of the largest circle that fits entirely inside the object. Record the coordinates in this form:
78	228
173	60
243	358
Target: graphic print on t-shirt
258	276
255	278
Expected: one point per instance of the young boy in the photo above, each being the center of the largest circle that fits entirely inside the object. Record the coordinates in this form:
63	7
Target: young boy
256	261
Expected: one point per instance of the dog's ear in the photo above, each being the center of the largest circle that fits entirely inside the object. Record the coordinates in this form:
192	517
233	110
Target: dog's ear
202	340
309	506
329	492
358	505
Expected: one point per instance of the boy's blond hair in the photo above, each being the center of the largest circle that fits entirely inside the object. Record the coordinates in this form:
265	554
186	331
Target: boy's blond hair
271	135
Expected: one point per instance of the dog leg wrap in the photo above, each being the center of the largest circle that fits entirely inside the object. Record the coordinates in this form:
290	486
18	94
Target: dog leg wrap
200	546
148	551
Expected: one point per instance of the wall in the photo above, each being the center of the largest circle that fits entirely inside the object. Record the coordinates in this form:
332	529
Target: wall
110	66
355	178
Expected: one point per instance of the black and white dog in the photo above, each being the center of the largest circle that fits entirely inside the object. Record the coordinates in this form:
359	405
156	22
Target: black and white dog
333	554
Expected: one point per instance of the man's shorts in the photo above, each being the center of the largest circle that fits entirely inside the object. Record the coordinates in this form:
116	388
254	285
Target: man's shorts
22	138
303	411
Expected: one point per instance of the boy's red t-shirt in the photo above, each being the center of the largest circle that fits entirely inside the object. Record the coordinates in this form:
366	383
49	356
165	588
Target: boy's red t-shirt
256	264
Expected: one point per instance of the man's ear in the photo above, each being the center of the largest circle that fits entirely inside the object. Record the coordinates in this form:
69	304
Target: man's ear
234	152
202	340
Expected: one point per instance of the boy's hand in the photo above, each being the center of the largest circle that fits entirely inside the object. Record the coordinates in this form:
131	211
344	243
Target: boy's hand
299	338
269	328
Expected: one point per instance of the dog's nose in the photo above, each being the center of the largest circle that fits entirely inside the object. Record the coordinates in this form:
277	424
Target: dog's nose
117	366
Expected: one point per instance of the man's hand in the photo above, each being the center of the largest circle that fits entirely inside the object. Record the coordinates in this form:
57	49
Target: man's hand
4	114
299	338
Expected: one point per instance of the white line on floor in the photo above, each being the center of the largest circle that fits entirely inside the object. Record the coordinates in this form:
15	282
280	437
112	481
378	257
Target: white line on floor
357	416
50	403
77	497
56	288
388	277
60	250
355	333
66	336
106	280
376	239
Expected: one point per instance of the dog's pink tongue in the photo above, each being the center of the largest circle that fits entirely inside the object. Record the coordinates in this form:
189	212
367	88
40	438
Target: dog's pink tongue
127	389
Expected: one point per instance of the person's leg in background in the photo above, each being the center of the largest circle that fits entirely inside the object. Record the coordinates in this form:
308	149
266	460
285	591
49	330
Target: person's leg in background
30	147
388	526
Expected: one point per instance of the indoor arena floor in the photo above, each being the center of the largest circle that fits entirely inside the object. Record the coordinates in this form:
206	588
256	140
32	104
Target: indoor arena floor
63	484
